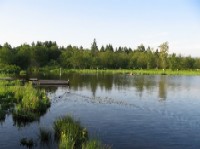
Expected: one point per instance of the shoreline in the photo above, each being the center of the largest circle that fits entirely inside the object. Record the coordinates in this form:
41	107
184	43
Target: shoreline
194	72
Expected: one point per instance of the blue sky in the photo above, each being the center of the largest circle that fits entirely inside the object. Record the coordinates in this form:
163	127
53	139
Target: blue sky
118	22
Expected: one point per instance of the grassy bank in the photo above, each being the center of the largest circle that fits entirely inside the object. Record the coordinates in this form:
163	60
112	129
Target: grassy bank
24	102
126	71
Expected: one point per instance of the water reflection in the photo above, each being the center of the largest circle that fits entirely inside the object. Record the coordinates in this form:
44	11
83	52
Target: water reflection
122	110
162	88
141	83
108	82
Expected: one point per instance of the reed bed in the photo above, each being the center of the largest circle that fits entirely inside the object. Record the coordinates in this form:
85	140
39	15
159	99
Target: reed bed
95	144
70	134
127	71
25	102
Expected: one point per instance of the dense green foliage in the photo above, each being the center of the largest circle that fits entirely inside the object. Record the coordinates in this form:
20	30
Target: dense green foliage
26	103
49	54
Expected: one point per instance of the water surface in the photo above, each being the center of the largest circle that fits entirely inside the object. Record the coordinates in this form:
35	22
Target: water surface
157	112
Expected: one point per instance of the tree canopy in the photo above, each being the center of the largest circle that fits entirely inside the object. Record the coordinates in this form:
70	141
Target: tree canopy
48	53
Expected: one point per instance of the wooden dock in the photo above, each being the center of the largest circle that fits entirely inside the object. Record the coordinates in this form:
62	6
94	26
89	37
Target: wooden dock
50	82
36	81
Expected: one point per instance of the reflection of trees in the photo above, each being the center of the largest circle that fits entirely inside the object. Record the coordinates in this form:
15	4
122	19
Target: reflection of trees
91	81
78	81
104	81
162	88
94	84
141	82
150	82
107	81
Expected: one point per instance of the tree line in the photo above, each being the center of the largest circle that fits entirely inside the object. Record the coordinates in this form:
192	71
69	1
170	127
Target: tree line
48	53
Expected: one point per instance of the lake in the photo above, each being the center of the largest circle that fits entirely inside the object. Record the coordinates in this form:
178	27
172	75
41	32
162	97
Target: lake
124	111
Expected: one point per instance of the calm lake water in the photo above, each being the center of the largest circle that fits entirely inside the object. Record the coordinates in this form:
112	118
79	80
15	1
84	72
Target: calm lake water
136	112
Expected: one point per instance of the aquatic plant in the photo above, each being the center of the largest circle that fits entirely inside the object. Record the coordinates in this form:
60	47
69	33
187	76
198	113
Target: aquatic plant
71	135
69	132
94	144
66	142
22	115
25	102
33	104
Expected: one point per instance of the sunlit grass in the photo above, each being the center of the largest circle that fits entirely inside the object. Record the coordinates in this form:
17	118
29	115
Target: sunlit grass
26	102
95	144
69	132
128	71
71	135
32	104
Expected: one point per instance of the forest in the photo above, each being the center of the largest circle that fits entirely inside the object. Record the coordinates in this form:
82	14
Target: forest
49	54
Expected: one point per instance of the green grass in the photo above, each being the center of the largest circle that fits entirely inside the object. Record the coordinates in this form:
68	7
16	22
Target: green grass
23	73
128	71
3	75
95	144
68	134
26	102
166	72
32	104
71	135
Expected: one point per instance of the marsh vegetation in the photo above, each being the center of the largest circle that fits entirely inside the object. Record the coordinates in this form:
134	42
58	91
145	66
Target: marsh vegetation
67	133
25	102
119	110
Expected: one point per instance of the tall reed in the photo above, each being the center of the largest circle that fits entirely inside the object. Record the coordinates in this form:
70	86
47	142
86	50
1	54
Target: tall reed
71	135
29	103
